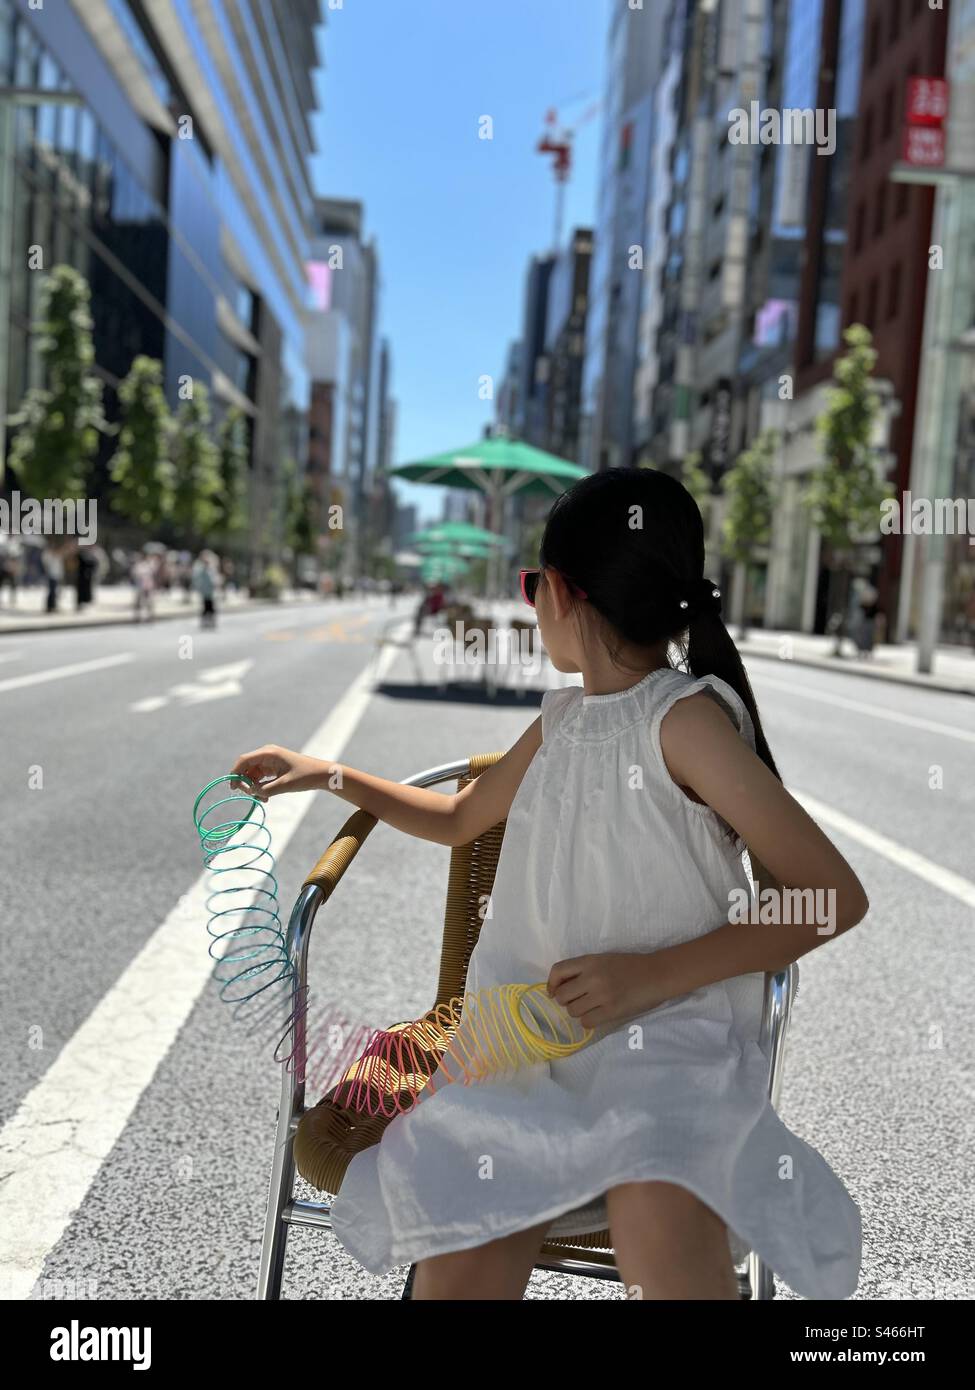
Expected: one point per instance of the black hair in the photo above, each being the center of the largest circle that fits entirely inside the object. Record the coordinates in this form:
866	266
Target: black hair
633	540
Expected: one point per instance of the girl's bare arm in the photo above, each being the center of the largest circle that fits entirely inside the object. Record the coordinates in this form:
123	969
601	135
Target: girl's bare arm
430	815
791	854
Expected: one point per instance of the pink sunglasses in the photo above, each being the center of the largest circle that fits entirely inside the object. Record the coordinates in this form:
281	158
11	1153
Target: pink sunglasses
529	585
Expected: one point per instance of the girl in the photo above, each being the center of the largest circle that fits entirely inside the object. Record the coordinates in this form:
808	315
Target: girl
629	803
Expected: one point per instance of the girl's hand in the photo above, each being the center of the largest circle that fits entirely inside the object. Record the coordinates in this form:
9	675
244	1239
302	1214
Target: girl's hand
607	988
277	770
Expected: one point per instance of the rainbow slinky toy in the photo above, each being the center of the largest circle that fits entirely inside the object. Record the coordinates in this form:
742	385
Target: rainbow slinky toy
380	1071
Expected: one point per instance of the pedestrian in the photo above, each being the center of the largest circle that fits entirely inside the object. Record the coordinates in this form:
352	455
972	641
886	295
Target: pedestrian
86	565
621	886
52	559
11	565
865	616
144	581
185	575
430	604
205	574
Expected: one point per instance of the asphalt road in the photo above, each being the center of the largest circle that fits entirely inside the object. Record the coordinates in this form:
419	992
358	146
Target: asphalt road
150	1182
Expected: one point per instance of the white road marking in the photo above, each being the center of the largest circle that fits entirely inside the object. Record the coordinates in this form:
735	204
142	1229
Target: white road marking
79	668
904	858
216	683
931	726
94	1084
11	656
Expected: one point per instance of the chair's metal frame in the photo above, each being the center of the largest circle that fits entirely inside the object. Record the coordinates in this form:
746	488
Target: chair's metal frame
283	1211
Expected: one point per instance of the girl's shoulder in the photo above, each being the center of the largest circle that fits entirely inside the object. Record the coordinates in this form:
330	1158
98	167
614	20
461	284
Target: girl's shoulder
675	685
639	709
555	703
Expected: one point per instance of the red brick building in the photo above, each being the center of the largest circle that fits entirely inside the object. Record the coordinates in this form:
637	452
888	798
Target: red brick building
884	268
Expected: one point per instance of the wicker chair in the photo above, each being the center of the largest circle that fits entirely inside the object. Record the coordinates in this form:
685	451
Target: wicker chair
320	1142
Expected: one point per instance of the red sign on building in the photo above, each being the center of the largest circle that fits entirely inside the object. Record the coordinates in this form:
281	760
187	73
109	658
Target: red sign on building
927	101
925	112
924	145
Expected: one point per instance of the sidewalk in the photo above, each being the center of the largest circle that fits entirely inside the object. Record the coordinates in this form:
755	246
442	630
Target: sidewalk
114	605
954	667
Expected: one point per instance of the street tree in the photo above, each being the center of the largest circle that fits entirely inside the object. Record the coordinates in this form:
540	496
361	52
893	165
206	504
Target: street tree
197	463
58	424
300	522
845	492
749	493
697	482
141	467
230	500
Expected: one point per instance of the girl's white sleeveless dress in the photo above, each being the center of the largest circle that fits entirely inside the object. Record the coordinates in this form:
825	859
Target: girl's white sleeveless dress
603	853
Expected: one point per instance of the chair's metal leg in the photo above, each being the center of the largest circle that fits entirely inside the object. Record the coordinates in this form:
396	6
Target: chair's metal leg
280	1190
408	1286
281	1184
761	1279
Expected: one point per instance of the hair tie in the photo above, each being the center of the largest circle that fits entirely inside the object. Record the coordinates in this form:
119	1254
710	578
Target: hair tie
702	597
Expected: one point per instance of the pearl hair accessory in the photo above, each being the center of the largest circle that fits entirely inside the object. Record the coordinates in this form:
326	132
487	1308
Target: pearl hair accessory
709	592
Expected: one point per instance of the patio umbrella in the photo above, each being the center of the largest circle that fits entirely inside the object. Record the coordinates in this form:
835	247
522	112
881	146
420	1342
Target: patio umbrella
499	468
438	567
457	533
470	549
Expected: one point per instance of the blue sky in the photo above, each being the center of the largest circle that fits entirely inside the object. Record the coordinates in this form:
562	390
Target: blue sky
455	217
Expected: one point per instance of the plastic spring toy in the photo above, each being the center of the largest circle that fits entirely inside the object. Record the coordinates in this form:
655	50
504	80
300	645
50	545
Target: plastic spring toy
489	1034
379	1071
248	941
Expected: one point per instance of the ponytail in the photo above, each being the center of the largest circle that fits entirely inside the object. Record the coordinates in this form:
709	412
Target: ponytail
711	651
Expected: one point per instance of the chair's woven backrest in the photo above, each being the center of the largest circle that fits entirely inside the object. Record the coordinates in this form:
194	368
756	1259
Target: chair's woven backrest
330	1135
469	884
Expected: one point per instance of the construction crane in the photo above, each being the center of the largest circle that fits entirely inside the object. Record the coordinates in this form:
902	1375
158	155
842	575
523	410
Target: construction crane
557	141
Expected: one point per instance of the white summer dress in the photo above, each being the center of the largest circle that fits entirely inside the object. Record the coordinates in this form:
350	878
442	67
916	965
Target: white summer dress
603	852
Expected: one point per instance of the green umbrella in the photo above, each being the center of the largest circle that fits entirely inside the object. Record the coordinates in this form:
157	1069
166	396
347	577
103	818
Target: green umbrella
436	567
457	533
474	551
500	468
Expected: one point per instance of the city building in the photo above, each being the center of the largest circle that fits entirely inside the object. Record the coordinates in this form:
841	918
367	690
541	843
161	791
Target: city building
508	405
566	312
329	338
795	261
884	229
634	58
663	239
381	509
937	593
162	149
533	362
345	268
863	260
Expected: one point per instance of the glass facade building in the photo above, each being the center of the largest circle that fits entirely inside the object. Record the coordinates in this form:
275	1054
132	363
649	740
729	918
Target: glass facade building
172	175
